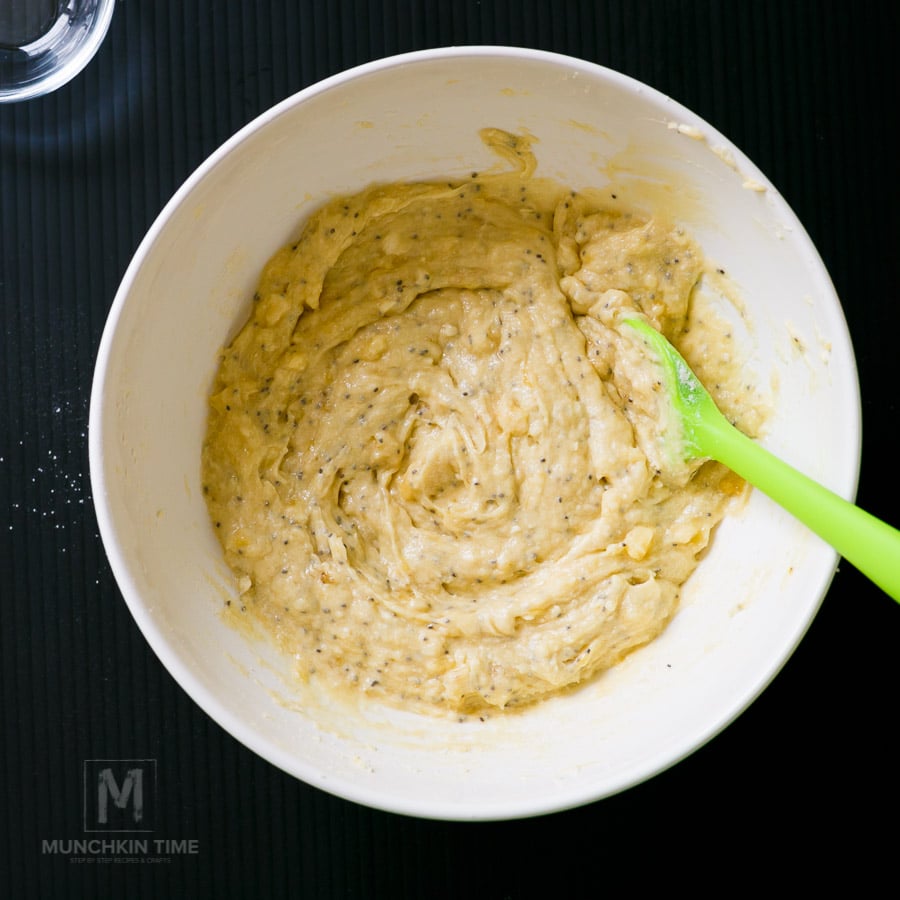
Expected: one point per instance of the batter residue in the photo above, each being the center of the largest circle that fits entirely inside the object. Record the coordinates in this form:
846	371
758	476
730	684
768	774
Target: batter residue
430	456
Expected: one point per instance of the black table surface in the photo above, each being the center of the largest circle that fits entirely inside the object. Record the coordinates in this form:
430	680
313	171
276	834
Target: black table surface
802	785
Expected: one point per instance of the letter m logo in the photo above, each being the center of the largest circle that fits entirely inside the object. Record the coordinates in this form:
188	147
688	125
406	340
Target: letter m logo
119	794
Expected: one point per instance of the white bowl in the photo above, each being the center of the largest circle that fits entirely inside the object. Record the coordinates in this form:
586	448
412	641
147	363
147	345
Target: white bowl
188	289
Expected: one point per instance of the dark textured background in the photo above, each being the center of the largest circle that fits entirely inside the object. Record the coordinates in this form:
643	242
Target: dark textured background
808	90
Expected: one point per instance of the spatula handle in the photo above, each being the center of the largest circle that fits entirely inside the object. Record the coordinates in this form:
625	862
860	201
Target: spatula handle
869	544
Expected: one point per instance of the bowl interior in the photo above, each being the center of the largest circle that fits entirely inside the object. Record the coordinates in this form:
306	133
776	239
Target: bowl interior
188	290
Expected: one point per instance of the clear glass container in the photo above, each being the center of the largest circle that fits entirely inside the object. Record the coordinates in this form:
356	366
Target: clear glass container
46	43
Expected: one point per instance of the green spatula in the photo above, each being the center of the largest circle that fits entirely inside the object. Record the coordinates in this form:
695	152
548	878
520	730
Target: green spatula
869	544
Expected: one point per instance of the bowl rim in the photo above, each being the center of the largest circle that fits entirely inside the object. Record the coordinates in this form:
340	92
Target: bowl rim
422	807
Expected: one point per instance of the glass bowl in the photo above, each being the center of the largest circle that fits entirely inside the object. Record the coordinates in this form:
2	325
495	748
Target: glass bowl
46	43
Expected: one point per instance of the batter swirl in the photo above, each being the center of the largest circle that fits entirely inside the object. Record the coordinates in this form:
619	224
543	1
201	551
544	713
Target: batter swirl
430	456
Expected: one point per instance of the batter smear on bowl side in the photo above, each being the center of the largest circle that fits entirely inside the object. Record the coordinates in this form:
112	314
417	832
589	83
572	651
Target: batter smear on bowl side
433	460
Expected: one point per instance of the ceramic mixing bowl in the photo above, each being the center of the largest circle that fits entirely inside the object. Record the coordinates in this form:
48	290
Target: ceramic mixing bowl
189	288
